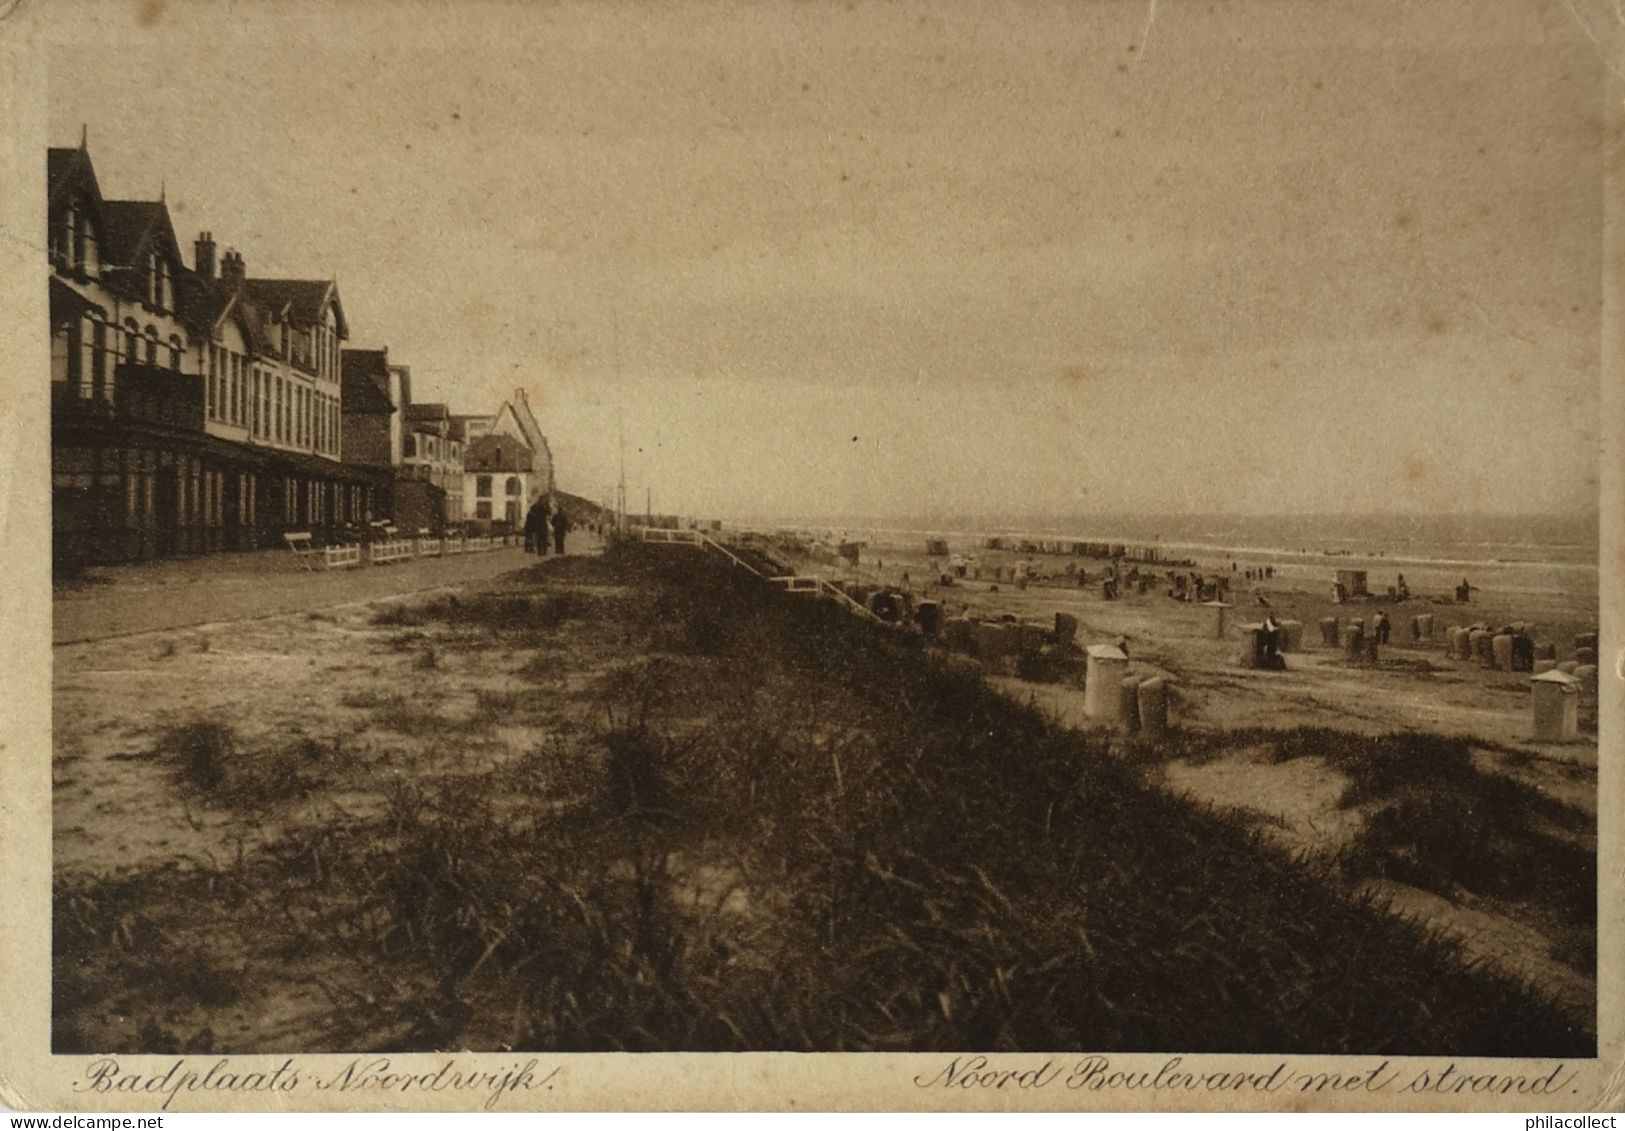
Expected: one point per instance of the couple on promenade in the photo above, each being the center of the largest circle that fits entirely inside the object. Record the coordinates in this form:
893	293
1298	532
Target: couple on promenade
536	527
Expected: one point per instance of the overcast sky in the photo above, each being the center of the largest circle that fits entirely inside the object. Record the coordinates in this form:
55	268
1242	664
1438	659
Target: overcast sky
886	259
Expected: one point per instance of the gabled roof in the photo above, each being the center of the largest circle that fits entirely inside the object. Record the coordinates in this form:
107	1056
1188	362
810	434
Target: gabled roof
132	226
204	304
300	301
497	452
364	381
68	169
520	404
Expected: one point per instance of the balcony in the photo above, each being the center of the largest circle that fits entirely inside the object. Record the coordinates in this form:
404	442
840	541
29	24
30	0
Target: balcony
142	394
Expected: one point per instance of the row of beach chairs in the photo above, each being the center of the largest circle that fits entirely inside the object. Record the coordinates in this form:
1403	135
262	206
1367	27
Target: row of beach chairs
387	547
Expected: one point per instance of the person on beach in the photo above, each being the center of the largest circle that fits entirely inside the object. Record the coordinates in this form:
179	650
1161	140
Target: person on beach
536	527
1402	589
1272	643
1464	592
1383	627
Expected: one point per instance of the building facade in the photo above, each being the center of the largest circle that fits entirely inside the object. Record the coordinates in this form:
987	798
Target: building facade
419	445
515	420
499	480
434	453
192	410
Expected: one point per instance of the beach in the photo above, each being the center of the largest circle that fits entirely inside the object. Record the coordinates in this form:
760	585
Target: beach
1414	687
474	787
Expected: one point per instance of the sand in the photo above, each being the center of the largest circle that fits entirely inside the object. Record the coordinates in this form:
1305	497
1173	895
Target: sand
288	659
1414	687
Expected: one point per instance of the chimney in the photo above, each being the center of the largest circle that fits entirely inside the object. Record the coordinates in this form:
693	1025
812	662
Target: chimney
231	267
204	255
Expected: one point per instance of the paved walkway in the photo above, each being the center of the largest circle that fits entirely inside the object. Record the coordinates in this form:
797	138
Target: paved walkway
183	592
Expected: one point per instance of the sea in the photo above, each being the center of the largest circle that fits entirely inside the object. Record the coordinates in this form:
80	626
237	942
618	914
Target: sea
1555	554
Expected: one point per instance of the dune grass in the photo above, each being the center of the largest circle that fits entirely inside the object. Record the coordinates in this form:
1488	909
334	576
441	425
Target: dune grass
791	829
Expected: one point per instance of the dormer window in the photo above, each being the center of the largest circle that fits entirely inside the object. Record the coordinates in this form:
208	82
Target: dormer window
62	239
159	290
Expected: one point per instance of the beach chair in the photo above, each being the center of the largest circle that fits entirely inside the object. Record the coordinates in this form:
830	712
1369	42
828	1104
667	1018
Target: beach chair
303	548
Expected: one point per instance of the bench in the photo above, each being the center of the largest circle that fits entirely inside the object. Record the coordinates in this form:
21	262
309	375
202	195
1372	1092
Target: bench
304	549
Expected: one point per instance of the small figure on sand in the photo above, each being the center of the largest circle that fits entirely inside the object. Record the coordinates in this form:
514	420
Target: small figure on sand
1382	627
561	527
1271	640
1402	589
536	527
1464	592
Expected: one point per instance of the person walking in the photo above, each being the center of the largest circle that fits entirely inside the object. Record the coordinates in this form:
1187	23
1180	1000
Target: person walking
535	525
561	526
540	509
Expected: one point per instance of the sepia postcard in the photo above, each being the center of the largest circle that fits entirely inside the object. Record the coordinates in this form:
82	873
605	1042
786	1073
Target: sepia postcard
835	554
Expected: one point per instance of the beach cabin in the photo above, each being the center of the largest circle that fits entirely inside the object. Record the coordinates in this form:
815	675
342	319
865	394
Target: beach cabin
1353	582
1107	665
936	547
1554	707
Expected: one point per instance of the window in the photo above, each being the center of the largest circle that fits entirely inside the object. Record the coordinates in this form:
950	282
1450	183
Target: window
62	240
482	509
77	221
103	363
152	346
174	353
514	486
76	352
132	351
482	486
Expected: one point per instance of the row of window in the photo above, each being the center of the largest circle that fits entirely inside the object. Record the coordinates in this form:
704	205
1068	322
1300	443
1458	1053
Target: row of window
269	405
426	445
482	486
95	347
510	511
